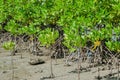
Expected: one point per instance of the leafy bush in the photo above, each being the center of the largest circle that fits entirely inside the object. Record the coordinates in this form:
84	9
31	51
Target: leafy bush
101	17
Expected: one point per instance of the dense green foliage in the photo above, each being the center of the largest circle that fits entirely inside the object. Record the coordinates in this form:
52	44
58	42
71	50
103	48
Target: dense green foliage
75	17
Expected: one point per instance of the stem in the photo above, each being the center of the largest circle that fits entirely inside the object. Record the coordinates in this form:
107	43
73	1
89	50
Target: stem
79	63
21	49
56	58
98	72
12	67
64	54
32	43
21	56
111	68
78	70
51	67
118	70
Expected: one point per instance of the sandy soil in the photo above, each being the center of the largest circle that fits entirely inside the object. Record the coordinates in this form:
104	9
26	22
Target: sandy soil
24	71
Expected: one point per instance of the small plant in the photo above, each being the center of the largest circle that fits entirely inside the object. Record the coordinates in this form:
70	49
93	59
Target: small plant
10	46
47	38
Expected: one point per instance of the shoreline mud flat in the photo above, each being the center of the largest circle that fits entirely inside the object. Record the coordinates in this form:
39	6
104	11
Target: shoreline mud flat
24	71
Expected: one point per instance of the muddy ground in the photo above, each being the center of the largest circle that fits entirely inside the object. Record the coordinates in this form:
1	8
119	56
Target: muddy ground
24	71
